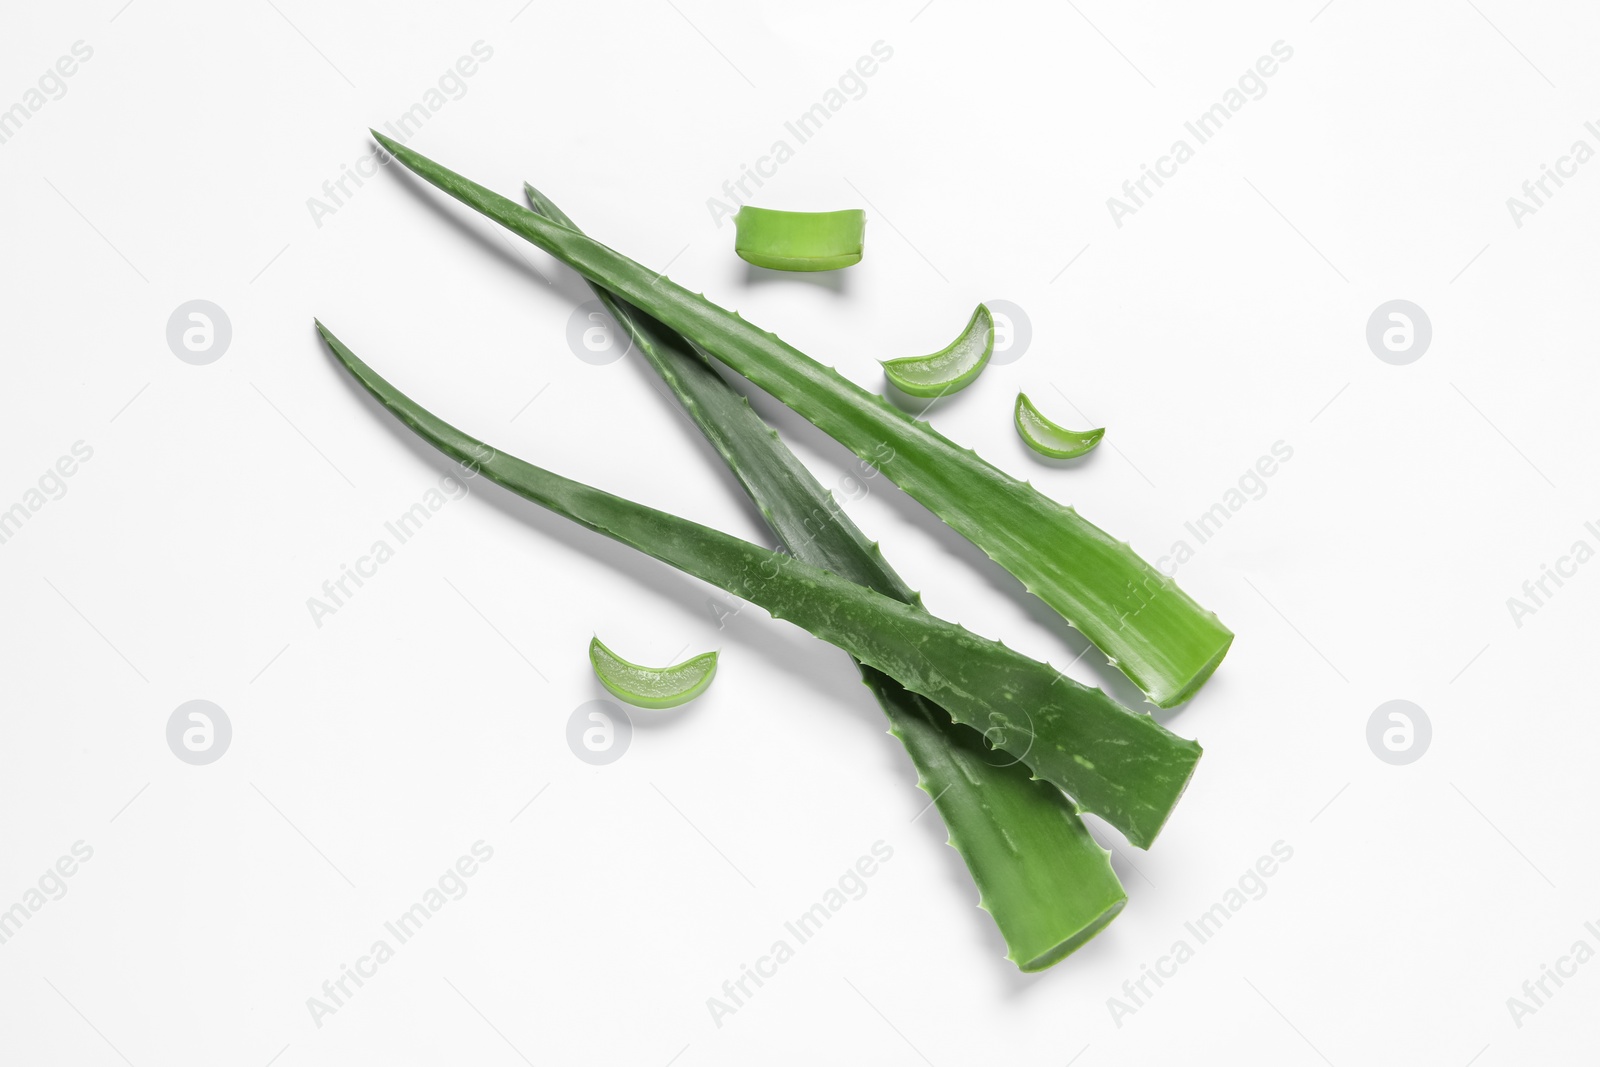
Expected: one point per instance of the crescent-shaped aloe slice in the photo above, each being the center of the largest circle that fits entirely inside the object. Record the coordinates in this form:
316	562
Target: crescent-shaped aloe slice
950	369
1048	439
1149	628
799	240
652	687
1116	763
1046	883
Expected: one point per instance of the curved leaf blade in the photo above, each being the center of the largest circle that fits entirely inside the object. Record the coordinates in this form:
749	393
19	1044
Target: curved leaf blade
1044	881
1116	763
1149	628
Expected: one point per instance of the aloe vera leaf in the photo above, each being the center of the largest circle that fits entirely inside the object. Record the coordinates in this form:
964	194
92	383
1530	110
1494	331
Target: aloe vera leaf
1049	439
950	369
1147	627
799	240
652	687
1119	764
1046	883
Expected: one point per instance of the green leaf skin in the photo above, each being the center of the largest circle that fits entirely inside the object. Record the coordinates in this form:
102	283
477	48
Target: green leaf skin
1148	627
1045	882
1118	764
799	240
952	368
652	687
1048	439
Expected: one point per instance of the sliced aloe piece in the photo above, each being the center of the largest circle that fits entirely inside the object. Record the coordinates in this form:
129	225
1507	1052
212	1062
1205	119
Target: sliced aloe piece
1044	881
1148	627
950	369
1048	439
652	687
1118	764
799	240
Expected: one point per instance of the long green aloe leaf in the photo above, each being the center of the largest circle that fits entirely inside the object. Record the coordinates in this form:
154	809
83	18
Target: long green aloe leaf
1148	627
1118	764
1047	884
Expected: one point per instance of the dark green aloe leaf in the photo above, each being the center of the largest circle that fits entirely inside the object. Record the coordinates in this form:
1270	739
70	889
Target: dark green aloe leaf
1118	764
1149	628
1046	883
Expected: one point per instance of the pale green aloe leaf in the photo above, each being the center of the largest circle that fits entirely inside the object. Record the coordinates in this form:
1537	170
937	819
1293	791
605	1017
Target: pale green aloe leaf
1147	627
1042	878
1119	764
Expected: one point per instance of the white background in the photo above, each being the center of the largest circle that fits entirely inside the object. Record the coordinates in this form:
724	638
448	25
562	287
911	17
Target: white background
371	752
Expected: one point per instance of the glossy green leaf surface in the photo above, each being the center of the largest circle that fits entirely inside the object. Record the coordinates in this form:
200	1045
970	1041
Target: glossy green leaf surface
799	240
1045	882
1048	439
1148	627
1116	763
652	687
953	367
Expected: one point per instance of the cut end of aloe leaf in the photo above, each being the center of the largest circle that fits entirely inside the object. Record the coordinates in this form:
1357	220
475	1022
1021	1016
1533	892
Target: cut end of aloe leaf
950	369
1072	944
1049	439
799	240
1155	633
652	687
1193	685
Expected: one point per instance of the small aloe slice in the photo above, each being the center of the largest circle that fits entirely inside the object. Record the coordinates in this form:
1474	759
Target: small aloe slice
652	687
950	369
1048	439
799	240
1046	883
1148	627
1118	764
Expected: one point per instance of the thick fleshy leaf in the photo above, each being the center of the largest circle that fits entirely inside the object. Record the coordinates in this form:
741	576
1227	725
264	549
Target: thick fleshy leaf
1149	628
1045	882
1119	764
